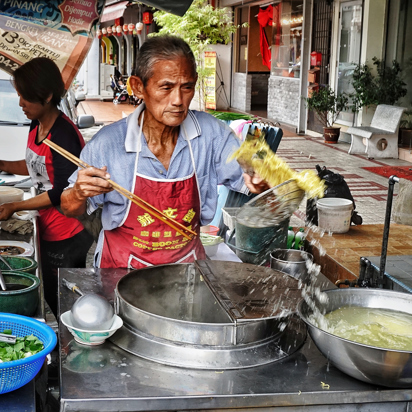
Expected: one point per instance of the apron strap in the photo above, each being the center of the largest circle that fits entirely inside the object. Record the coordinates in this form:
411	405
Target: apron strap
193	162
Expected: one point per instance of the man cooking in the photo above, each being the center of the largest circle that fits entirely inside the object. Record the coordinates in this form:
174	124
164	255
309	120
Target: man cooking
167	155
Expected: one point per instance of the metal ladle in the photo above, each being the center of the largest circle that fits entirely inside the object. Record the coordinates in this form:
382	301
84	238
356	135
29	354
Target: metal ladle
2	281
91	311
5	262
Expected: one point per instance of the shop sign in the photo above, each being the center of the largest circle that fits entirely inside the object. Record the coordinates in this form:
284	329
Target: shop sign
62	30
210	80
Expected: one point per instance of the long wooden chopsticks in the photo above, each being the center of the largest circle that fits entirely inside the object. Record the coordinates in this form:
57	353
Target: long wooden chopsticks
131	196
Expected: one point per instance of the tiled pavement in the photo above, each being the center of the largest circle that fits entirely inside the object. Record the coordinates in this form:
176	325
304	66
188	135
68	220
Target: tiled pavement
368	189
301	152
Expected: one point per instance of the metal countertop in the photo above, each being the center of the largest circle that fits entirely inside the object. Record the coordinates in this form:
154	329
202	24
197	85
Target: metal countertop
106	378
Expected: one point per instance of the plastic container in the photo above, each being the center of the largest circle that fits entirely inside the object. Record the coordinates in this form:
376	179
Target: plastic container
334	214
299	240
229	216
291	238
15	374
10	194
210	229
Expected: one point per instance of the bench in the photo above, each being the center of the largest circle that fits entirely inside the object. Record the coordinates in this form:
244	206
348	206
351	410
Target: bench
380	139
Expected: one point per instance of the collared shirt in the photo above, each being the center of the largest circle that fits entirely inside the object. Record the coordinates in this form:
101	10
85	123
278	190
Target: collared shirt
118	145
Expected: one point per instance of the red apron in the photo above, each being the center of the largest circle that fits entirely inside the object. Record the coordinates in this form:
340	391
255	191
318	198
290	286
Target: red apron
143	240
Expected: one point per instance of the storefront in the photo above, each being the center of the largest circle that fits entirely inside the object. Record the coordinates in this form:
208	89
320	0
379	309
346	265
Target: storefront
123	28
270	60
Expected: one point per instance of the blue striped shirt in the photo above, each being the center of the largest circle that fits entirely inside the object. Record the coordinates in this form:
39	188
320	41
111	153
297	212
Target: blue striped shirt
117	145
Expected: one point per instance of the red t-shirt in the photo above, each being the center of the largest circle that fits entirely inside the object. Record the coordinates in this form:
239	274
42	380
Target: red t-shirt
50	171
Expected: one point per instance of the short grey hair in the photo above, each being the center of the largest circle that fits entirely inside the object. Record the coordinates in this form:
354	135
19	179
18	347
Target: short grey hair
160	48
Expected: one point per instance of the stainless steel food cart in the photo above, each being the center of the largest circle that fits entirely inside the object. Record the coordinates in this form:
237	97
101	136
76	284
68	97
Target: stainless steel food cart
107	378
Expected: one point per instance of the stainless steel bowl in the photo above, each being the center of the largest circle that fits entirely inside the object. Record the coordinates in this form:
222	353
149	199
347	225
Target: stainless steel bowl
370	364
293	262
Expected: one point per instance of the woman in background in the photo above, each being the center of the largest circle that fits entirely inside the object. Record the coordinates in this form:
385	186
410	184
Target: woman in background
64	241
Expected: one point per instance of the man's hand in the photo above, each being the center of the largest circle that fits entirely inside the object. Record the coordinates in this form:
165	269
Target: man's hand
91	182
255	183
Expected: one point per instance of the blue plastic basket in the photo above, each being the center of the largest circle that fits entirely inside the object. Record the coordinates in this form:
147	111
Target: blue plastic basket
15	374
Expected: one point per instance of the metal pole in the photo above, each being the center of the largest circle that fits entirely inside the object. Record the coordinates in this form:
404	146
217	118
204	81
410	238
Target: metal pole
392	181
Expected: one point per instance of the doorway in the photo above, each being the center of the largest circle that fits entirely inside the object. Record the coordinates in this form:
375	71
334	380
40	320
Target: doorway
321	42
349	48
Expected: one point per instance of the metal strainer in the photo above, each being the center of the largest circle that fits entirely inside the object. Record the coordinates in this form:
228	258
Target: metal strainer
272	207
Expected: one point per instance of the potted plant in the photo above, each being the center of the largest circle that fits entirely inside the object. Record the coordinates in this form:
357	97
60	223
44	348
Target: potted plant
405	129
201	26
327	105
384	87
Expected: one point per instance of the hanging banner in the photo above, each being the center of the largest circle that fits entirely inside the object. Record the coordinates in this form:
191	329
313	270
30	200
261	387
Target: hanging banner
60	30
210	80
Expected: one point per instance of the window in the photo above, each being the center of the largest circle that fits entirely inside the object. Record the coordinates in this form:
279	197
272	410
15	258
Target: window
242	33
398	42
287	38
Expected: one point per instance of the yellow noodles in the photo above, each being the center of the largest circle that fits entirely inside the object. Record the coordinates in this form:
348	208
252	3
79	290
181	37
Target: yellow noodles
256	155
382	328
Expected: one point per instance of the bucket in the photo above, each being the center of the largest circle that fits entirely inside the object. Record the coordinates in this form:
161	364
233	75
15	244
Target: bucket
293	262
254	244
334	214
210	230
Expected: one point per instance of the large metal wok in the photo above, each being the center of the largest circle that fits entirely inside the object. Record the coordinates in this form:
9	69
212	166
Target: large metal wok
379	366
209	314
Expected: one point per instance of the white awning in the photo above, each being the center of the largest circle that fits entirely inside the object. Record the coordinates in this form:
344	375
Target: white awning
113	11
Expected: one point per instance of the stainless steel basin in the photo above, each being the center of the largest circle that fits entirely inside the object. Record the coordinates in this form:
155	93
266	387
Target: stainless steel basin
379	366
209	314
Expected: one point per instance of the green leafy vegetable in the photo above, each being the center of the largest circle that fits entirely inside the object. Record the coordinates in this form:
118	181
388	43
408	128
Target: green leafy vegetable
209	240
230	115
24	347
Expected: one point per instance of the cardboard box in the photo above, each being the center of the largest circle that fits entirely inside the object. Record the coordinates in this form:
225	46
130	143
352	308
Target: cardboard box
313	76
312	88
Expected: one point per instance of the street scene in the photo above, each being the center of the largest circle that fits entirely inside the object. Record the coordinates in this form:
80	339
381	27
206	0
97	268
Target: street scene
205	205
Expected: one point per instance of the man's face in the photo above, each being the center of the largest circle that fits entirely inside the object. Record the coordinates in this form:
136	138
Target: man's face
169	91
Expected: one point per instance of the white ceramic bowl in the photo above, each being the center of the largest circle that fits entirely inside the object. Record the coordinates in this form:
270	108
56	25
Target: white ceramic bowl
211	250
94	337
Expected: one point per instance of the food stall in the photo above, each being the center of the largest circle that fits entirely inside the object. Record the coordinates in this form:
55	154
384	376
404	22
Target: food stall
108	378
136	369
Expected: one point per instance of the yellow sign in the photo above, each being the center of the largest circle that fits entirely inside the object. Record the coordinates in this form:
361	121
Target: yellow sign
210	80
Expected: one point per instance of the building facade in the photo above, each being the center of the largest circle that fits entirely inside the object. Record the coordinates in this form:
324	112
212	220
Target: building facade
124	26
271	58
288	49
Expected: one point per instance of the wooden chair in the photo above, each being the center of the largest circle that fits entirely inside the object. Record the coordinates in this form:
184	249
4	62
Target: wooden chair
380	139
